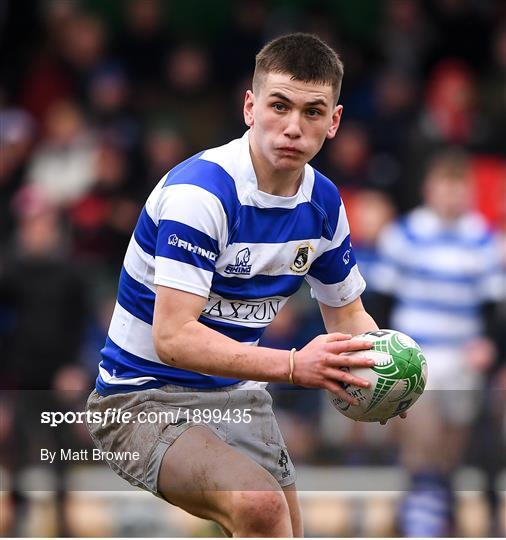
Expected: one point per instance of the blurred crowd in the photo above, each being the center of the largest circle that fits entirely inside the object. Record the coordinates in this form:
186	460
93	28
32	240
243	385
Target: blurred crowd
100	98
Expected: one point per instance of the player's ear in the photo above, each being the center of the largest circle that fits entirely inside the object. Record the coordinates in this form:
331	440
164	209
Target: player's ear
249	102
336	120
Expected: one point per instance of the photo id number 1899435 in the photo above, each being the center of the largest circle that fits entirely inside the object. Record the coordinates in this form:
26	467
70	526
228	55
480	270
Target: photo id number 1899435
208	416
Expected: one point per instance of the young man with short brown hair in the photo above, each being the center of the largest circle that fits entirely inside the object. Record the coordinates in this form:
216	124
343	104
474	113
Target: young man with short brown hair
223	241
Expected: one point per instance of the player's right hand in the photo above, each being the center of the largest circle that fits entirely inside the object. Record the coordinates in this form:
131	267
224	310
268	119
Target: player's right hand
322	363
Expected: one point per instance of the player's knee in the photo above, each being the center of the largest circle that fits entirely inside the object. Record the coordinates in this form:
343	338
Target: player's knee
263	513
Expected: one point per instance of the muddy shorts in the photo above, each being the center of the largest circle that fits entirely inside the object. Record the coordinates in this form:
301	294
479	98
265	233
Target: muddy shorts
151	420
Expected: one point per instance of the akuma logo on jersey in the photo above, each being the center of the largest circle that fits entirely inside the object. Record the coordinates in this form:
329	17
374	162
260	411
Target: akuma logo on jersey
175	241
301	261
241	265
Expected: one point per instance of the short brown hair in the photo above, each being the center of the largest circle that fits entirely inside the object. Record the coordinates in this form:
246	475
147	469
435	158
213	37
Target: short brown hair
303	56
452	163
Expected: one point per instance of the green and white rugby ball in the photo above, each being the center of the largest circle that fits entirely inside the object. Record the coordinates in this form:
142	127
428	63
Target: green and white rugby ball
397	379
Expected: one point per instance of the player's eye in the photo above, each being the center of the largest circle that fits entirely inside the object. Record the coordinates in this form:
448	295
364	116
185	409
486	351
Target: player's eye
313	112
280	107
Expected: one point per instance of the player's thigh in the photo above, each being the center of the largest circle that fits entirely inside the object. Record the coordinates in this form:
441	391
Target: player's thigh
292	499
210	479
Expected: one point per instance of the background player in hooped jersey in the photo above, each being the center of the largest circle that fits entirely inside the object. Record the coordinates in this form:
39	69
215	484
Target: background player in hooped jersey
440	264
223	241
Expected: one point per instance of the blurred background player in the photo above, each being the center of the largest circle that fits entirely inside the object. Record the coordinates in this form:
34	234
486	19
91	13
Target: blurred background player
439	265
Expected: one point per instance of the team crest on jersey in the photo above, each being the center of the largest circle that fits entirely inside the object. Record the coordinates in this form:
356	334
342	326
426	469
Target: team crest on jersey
241	265
301	261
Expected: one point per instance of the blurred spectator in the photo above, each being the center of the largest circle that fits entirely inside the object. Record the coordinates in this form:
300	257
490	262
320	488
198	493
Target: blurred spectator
45	296
316	21
108	90
395	111
237	48
395	107
164	148
103	218
405	37
283	18
45	78
450	116
84	43
462	29
349	161
348	156
63	164
440	265
75	47
233	125
493	99
45	299
17	133
357	93
191	99
109	98
141	45
20	35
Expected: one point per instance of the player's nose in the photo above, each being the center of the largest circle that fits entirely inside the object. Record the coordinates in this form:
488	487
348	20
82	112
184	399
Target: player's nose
292	127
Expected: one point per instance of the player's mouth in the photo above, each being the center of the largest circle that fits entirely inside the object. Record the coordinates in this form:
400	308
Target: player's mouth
290	150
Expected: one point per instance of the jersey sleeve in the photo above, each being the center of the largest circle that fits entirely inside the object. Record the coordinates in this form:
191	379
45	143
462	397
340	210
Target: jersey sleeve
334	276
192	226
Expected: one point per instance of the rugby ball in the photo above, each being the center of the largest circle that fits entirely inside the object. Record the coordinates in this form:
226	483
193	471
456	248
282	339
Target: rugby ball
397	379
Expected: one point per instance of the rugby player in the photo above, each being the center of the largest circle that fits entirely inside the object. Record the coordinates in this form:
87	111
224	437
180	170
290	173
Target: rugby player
225	238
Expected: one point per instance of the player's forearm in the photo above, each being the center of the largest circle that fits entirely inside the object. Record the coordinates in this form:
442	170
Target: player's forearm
356	323
198	348
352	319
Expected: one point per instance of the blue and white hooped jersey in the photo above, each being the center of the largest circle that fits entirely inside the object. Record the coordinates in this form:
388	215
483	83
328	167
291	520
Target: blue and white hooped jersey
208	230
440	274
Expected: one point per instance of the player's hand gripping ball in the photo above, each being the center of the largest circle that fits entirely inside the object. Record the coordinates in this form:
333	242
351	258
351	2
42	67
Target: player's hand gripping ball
397	379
